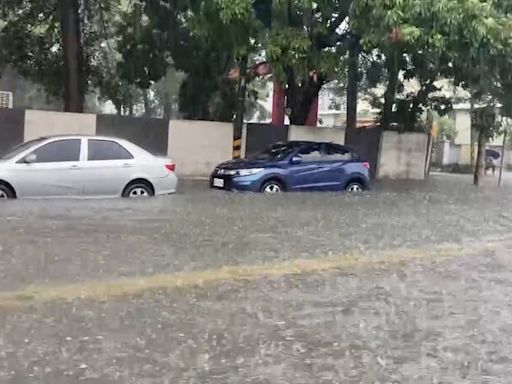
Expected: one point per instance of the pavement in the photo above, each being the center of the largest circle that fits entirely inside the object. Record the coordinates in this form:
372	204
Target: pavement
409	283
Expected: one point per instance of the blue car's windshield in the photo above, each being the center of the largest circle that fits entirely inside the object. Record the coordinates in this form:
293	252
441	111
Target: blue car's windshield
277	152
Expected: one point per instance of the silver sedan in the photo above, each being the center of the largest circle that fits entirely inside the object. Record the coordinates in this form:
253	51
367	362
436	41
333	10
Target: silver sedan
81	166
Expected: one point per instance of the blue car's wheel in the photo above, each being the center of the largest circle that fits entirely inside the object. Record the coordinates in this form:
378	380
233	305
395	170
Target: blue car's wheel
272	187
355	187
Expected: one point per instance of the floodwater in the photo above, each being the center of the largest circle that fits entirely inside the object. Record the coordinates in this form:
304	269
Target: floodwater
428	320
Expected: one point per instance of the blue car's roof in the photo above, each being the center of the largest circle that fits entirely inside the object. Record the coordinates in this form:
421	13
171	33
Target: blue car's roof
303	142
299	143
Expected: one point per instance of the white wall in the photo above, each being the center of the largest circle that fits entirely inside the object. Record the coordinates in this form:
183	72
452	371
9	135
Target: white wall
403	156
42	123
462	119
508	158
454	155
327	134
198	146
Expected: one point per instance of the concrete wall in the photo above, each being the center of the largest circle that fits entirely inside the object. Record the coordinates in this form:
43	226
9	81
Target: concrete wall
198	146
328	134
39	123
150	134
261	136
403	156
12	127
508	158
462	119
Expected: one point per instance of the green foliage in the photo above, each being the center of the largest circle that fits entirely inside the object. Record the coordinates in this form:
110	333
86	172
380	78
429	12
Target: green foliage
485	119
31	41
130	50
167	93
204	40
256	91
428	40
447	128
142	61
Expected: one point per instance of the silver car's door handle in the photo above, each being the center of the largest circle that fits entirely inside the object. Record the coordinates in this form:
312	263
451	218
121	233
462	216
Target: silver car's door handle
127	165
74	167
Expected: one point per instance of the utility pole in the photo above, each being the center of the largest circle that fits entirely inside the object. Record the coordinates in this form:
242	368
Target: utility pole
240	108
352	89
502	157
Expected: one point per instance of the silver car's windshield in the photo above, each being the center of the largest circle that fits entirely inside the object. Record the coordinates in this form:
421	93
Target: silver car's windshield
20	149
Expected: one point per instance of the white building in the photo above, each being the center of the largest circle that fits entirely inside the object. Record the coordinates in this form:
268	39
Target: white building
331	106
6	99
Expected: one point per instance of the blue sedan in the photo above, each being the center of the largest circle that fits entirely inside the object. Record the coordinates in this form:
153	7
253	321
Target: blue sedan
295	166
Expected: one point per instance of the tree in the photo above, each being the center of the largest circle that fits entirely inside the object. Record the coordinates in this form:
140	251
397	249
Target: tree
483	66
142	63
203	42
485	122
30	42
418	39
167	93
306	48
306	45
49	40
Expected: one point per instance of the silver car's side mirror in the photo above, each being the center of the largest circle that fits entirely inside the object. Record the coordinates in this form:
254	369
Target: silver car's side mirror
30	158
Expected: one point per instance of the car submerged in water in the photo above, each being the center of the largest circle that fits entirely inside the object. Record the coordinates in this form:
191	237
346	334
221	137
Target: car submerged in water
295	166
83	166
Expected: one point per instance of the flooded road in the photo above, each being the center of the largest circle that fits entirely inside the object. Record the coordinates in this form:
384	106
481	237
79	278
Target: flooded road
424	320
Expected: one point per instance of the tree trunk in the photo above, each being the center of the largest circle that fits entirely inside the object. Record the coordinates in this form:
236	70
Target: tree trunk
352	90
278	104
167	107
74	78
312	119
147	104
480	158
301	98
390	94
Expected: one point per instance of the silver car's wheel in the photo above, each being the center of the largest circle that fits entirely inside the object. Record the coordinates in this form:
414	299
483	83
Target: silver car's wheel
138	190
355	187
272	188
6	192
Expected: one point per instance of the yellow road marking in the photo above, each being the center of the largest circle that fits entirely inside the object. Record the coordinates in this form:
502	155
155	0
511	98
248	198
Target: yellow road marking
102	290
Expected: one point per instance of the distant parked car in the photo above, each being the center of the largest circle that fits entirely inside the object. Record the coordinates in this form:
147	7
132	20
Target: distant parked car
295	166
80	166
492	160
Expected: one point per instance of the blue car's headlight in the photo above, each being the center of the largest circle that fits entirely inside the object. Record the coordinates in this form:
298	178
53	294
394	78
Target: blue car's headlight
248	171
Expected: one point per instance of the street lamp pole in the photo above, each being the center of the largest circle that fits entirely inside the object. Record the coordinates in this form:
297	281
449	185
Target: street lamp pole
502	157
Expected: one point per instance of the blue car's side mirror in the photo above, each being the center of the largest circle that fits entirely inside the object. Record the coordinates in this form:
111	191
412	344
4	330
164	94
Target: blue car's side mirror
296	160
